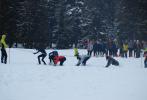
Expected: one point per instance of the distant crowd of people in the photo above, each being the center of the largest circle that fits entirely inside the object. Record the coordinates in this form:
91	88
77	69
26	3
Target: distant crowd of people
130	48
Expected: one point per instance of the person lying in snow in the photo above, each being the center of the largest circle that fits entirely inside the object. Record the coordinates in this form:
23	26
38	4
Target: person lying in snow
111	61
82	59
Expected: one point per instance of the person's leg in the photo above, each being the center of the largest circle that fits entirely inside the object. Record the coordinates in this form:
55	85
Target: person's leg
94	52
90	52
43	56
116	63
145	63
126	54
132	52
39	59
62	61
85	60
2	56
5	57
51	59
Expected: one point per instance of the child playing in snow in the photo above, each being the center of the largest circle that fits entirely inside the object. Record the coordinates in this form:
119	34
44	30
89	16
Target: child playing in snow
82	59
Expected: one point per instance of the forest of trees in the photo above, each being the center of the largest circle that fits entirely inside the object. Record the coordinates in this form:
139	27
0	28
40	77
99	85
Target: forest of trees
64	22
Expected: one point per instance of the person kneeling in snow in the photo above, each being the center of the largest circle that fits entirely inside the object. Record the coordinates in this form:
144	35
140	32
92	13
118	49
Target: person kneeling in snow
82	59
60	59
111	61
52	55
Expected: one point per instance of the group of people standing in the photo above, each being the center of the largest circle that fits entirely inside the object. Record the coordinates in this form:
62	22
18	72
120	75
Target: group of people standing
114	48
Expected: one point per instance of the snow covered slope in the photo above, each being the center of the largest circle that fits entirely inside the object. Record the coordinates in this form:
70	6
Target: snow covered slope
24	79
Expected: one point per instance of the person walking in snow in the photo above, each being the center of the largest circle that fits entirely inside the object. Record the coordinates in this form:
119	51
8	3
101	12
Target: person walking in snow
82	59
42	55
3	50
52	55
111	61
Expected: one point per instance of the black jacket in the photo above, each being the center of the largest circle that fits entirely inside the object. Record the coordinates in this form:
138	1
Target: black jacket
53	53
42	51
112	61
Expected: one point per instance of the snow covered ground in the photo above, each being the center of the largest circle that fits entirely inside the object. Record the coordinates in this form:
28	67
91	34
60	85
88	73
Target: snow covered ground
24	79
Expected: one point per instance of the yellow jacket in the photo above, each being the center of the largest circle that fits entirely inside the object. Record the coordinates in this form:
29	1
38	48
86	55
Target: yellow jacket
75	51
3	41
145	49
125	47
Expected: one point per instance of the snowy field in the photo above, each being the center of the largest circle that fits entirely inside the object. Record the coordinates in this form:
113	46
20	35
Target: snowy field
24	79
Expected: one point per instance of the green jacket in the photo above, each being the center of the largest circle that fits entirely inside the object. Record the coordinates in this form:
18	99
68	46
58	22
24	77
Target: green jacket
75	51
3	41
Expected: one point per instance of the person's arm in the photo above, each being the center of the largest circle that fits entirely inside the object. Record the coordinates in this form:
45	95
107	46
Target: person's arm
36	52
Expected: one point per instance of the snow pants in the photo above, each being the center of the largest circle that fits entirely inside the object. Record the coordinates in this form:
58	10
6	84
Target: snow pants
3	56
43	56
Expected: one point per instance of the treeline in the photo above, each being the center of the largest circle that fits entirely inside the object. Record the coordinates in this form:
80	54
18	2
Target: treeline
64	22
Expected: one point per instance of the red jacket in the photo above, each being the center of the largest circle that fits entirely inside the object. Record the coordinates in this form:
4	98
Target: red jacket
58	59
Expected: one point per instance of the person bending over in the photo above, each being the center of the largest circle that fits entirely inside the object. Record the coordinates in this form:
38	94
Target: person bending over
52	55
111	61
60	59
42	55
82	59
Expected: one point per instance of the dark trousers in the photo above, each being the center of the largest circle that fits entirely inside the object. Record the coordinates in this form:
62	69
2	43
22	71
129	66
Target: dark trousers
95	52
3	56
43	56
89	52
138	53
130	52
85	60
125	54
116	63
51	58
145	63
62	61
